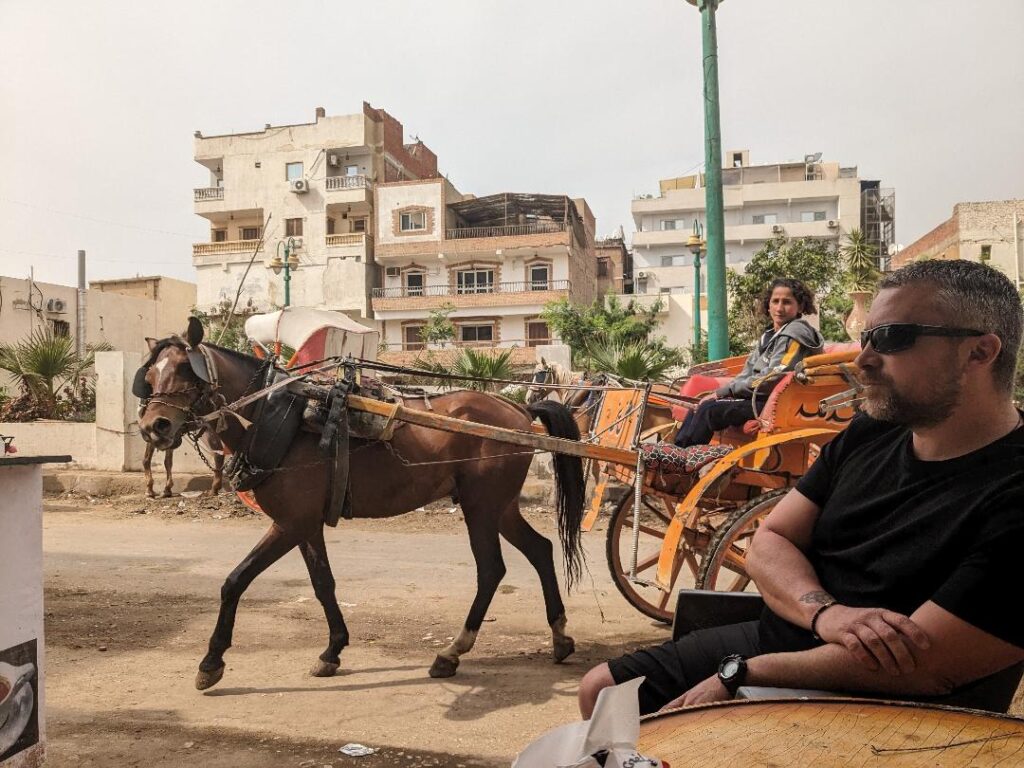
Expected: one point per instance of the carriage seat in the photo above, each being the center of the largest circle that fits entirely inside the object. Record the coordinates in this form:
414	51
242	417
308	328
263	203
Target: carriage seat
672	469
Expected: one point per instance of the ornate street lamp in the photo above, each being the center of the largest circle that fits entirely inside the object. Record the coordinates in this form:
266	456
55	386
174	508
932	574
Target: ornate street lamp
289	264
696	244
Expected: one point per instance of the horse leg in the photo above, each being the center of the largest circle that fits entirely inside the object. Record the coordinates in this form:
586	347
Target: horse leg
271	548
218	473
490	570
168	464
539	551
147	469
314	552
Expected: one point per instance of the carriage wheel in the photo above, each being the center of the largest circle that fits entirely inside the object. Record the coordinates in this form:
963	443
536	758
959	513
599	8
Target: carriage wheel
655	515
723	567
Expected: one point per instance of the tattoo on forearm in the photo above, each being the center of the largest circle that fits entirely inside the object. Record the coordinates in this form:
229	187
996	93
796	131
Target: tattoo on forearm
818	597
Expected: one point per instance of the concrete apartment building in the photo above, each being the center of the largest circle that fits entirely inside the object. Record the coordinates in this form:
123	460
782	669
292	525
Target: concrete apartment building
496	259
315	180
810	198
614	265
990	232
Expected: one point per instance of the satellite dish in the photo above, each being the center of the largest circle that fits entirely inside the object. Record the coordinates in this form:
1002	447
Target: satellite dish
812	158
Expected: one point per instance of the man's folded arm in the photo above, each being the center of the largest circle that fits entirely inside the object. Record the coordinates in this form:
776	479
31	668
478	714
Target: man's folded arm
958	653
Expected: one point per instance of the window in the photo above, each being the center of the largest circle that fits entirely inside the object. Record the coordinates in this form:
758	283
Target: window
809	216
986	253
602	267
766	218
673	261
330	226
412	221
737	159
540	275
293	227
351	170
476	334
220	235
475	281
358	225
668	224
292	171
666	261
413	283
250	233
537	332
60	327
412	337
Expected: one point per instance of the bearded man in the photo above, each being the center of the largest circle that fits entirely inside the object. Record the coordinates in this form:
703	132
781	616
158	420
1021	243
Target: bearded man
891	568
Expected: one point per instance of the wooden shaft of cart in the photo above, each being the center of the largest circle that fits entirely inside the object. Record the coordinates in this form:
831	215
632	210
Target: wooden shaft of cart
498	434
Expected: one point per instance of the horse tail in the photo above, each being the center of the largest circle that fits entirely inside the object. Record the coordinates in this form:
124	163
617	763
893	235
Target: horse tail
570	485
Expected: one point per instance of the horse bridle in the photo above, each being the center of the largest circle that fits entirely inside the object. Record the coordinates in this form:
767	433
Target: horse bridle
204	369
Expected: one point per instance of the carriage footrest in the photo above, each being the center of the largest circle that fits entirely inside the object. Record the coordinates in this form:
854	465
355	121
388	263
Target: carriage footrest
674	470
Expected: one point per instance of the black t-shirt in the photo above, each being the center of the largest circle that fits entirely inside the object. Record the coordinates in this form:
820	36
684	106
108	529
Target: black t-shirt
895	531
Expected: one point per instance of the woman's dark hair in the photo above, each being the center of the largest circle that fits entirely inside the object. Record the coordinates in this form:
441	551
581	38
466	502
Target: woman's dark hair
804	296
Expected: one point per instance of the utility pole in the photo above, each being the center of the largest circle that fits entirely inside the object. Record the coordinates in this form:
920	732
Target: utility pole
718	323
80	314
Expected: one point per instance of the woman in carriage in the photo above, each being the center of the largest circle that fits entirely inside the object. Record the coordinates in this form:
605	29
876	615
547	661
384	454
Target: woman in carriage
790	339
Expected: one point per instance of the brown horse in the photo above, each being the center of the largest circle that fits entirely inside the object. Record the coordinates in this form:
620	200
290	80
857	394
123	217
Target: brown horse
416	467
211	441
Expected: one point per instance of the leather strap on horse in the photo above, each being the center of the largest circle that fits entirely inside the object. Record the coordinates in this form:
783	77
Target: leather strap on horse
334	442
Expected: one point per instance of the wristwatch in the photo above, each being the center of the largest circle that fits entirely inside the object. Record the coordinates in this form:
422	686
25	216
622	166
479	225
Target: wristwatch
732	671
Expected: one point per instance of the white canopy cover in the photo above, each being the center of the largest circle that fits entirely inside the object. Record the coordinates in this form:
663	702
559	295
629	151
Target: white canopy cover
314	334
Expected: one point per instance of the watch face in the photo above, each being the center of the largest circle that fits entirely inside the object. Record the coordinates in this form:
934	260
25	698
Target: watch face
730	668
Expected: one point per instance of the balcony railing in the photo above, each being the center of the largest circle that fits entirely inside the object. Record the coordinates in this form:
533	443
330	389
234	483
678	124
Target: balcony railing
208	193
503	346
348	238
510	230
347	182
402	292
225	246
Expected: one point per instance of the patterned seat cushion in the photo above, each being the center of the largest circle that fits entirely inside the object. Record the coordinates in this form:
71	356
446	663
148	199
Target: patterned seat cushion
674	470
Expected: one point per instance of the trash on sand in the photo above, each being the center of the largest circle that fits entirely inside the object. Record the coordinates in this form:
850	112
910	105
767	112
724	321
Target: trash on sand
356	750
191	494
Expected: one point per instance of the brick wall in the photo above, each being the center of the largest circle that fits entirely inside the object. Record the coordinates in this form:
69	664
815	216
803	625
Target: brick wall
417	158
939	242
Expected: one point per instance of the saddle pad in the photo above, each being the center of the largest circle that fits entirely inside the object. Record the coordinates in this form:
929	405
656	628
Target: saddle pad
674	470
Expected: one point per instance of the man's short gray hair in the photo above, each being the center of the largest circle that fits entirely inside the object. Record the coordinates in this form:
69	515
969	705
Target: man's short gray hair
975	296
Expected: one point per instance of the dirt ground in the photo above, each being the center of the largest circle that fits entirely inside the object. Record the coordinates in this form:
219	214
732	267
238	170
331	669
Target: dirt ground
132	594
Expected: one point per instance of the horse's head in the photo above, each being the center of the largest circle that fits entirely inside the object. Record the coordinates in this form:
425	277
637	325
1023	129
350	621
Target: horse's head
542	375
171	385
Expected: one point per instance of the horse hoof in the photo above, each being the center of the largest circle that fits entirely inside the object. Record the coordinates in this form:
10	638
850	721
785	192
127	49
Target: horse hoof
166	495
150	494
206	679
443	667
563	649
323	669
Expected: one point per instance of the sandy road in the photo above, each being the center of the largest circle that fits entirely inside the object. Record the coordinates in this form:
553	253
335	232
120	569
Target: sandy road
132	598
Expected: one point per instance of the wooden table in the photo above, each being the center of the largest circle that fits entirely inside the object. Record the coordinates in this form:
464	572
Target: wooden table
831	732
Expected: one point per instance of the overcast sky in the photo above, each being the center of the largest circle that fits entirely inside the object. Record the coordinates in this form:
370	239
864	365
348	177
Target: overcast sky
592	98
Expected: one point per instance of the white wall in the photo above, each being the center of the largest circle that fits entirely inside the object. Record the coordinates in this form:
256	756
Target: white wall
392	197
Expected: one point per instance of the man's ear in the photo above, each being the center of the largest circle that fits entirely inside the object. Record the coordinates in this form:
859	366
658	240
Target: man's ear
985	349
151	343
194	334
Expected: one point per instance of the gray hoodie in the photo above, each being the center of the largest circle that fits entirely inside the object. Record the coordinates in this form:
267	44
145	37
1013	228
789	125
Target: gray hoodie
776	352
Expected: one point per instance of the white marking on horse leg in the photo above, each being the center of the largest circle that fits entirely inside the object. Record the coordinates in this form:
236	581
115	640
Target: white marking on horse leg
460	645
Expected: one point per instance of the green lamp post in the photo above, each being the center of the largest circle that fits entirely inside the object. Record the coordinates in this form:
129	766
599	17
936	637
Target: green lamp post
718	322
696	244
289	264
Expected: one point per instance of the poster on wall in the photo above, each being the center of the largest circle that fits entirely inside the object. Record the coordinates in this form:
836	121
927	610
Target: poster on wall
19	699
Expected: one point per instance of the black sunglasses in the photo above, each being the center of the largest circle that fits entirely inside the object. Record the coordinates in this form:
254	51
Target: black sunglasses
895	337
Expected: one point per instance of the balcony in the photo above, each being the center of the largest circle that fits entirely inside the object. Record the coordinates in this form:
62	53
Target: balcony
346	182
502	294
348	189
225	246
508	230
203	194
351	244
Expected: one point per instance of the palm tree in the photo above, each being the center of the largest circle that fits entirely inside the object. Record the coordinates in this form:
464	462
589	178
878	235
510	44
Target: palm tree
479	364
636	360
861	261
45	363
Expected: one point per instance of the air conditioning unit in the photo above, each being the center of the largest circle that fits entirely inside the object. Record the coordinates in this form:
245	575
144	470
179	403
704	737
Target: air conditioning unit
392	271
641	275
333	161
833	224
298	186
777	229
57	306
